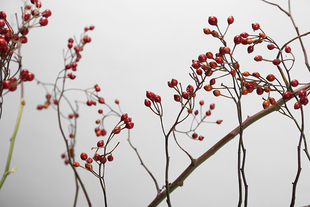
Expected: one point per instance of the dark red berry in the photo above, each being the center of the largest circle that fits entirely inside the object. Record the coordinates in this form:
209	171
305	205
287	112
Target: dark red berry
302	94
287	95
110	158
212	20
270	46
202	58
255	26
294	83
304	101
276	62
43	21
194	135
83	156
230	20
250	48
297	105
288	49
270	77
6	84
147	103
258	58
47	13
185	95
196	64
237	39
100	143
219	121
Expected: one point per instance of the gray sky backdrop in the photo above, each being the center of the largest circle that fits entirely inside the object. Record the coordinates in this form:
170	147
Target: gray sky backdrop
136	46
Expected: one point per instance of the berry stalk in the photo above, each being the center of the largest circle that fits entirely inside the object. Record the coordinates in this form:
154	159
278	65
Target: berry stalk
8	162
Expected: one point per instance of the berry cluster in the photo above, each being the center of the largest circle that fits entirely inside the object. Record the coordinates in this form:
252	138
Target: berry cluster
11	41
246	82
124	123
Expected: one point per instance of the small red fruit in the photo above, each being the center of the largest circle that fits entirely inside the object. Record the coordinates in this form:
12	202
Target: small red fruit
230	20
294	83
83	156
6	84
266	104
202	58
147	103
212	20
200	138
76	164
297	105
177	97
157	98
276	62
216	92
207	31
201	102
302	94
255	26
194	135
219	121
250	49
304	101
100	143
196	64
271	46
288	49
258	58
43	21
270	77
110	158
287	95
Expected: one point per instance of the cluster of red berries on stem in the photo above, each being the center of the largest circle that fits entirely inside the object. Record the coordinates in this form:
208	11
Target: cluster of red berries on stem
247	82
10	41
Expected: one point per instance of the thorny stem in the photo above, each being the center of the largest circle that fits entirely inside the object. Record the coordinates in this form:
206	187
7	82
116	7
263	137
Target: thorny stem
8	162
195	163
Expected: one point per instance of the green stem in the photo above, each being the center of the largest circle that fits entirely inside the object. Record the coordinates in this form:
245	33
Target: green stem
8	162
196	162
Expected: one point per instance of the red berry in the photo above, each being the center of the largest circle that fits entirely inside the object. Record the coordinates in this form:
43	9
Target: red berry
244	34
97	157
177	97
150	95
110	158
212	81
271	46
219	121
256	74
272	101
129	125
47	13
230	20
216	93
185	95
201	102
266	104
287	95
29	76
276	62
304	101
70	116
2	15
147	103
196	64
77	49
212	20
157	98
302	94
83	156
250	49
194	135
288	49
76	164
89	102
255	26
212	106
91	27
237	39
190	89
89	160
6	84
196	112
219	60
103	132
258	58
101	100
117	130
100	143
88	166
40	107
270	77
202	58
208	113
259	90
226	50
297	105
200	138
207	31
208	87
43	21
294	83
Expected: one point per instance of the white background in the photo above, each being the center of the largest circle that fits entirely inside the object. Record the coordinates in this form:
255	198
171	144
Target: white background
137	46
